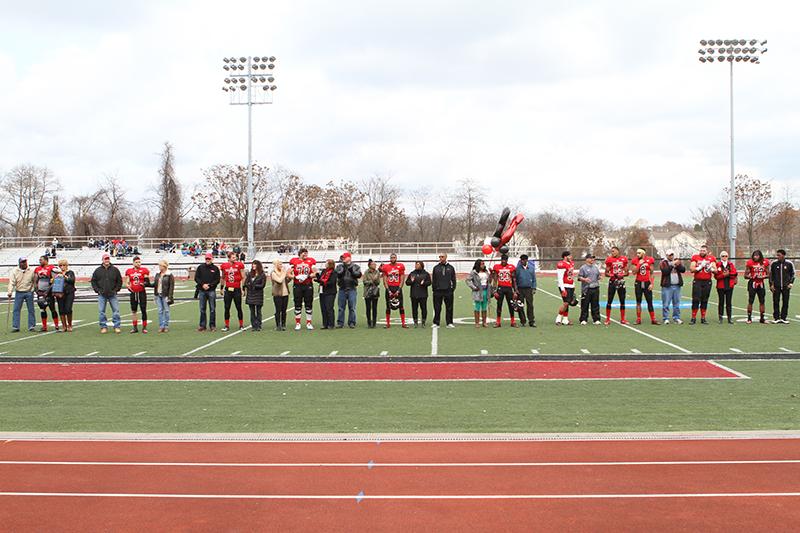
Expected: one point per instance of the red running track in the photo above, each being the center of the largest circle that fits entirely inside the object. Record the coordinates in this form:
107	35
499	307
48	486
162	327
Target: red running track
333	371
709	485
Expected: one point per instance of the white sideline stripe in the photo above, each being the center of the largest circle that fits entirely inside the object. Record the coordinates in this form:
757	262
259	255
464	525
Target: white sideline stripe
92	353
384	353
3	353
737	350
729	369
406	465
640	332
335	352
405	496
285	353
434	341
46	353
40	335
634	350
584	350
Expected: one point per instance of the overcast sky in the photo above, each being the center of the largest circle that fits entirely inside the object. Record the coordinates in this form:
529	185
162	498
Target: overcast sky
599	104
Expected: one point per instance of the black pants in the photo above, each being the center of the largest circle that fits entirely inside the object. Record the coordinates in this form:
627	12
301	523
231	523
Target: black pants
234	296
439	298
725	304
281	302
303	296
643	288
506	293
421	304
326	301
46	302
526	295
139	301
701	292
619	291
590	298
255	316
399	292
65	303
372	311
779	312
753	292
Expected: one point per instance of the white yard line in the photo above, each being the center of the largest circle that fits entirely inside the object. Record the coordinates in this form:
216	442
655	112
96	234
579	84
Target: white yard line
484	352
786	349
640	332
384	353
434	341
237	352
535	352
584	350
287	352
729	369
46	353
92	353
335	352
735	350
140	353
634	350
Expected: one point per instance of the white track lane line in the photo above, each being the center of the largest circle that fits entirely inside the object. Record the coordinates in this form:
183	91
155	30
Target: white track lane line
363	496
640	332
373	464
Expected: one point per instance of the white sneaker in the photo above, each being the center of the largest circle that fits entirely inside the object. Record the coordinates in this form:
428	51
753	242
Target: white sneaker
678	321
451	326
565	321
666	322
597	323
297	327
583	323
558	319
434	326
309	326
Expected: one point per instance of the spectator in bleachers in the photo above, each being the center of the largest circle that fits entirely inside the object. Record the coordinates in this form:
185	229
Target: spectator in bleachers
20	283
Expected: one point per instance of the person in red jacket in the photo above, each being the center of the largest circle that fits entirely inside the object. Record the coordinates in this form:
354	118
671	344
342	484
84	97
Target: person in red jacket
726	276
756	272
645	281
703	266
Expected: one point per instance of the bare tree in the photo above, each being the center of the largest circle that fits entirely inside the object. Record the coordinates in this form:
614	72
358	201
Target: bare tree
169	198
785	219
471	197
56	225
116	207
420	202
85	210
25	194
444	207
713	221
382	217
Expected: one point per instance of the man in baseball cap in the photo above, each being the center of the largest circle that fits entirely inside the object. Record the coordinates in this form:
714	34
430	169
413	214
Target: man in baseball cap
107	282
347	275
21	280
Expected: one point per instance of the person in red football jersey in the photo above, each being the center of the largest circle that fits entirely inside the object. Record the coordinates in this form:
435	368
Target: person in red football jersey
394	275
756	272
232	274
304	271
505	279
703	266
43	279
616	272
643	286
136	279
565	276
726	276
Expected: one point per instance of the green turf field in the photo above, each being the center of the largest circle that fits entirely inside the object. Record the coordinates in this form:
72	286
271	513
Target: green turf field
769	400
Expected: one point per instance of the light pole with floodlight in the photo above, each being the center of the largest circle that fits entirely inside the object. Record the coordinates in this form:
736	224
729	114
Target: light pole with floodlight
732	51
249	88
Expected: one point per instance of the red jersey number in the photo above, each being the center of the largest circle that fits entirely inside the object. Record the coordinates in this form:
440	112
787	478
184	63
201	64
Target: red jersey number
393	273
505	274
137	277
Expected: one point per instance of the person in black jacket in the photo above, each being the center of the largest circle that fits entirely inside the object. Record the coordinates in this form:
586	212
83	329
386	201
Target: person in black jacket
419	280
781	279
672	271
163	294
254	285
347	275
444	286
206	279
327	293
67	298
107	282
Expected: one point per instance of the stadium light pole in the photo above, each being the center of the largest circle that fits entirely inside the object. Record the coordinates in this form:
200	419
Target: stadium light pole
732	51
252	88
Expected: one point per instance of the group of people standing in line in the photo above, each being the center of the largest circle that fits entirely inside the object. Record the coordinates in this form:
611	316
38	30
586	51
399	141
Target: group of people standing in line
53	288
705	269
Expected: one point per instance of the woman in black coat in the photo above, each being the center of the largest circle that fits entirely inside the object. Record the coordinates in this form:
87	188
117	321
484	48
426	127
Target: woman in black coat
254	293
419	280
327	293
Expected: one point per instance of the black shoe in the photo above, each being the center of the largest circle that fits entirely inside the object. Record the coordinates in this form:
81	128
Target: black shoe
720	320
692	322
339	326
15	330
763	320
704	321
135	330
351	326
730	321
532	324
423	324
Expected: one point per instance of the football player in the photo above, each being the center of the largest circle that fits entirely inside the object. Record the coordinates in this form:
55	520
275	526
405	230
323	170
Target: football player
394	275
304	270
136	279
644	283
43	278
756	272
616	272
703	266
565	276
504	278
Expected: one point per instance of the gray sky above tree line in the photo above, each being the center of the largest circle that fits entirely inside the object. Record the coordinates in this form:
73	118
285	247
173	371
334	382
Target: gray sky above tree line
596	104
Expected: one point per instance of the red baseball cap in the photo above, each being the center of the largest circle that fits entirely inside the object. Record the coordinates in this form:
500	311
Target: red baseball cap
106	256
347	255
209	255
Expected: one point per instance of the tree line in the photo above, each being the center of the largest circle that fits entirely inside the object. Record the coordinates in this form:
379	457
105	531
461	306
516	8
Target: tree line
372	209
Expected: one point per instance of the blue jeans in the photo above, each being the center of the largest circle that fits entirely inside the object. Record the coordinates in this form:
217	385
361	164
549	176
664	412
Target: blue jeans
209	297
163	311
101	307
671	296
347	297
19	298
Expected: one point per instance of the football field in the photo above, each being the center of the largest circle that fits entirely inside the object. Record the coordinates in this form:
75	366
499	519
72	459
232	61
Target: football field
765	354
